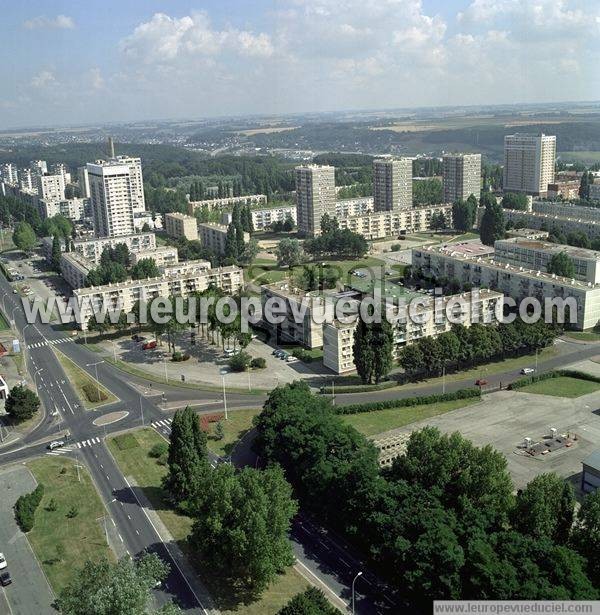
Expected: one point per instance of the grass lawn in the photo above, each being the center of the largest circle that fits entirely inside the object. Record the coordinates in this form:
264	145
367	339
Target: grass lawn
562	386
583	336
133	459
79	379
3	323
237	424
82	537
371	423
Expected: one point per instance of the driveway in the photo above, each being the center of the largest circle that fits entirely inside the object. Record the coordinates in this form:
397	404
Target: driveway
29	592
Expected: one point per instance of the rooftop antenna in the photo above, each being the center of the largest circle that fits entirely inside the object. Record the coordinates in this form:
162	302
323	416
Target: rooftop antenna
111	147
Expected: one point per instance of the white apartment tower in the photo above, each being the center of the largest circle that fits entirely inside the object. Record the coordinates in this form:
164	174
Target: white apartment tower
462	176
27	180
111	198
529	163
84	182
51	187
9	173
315	196
137	181
38	167
392	184
61	169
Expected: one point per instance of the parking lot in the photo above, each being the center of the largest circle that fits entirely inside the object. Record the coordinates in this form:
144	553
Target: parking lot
29	592
505	418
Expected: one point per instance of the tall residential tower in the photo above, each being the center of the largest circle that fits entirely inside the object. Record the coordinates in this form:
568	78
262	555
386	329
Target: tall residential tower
315	196
462	176
392	184
529	163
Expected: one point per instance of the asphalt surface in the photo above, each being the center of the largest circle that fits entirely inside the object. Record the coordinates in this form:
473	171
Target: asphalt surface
325	555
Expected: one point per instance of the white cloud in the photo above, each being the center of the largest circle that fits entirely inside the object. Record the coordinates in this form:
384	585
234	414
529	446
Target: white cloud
96	79
164	39
44	79
60	22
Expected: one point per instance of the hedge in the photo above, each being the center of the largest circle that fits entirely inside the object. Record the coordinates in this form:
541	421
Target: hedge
524	382
359	388
469	393
26	506
93	394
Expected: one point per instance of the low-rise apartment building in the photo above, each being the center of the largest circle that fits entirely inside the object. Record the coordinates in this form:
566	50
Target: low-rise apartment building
453	262
263	218
93	247
382	224
566	210
537	255
230	201
180	225
74	268
548	222
338	337
214	236
124	295
161	255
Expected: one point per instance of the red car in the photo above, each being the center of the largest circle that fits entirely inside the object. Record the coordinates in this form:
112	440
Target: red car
481	382
149	345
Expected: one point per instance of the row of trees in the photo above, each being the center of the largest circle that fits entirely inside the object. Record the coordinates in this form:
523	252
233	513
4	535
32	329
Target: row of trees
241	519
443	522
466	346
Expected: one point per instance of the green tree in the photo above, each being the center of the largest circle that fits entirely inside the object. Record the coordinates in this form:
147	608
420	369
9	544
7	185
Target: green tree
242	524
289	252
145	268
585	537
411	359
438	221
21	403
463	214
56	252
103	588
382	341
562	264
24	237
97	325
363	350
492	224
188	467
310	602
514	200
545	508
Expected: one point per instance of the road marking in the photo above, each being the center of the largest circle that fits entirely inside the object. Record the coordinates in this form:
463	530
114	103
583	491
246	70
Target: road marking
78	444
137	532
165	545
114	500
121	537
129	517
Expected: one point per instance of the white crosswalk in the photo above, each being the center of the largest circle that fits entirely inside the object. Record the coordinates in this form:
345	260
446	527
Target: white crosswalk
163	426
62	340
76	445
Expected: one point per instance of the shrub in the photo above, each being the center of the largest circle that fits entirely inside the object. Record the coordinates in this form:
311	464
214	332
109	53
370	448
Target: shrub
359	388
523	382
407	401
158	450
73	512
396	247
258	363
179	356
207	419
26	506
302	354
93	394
239	362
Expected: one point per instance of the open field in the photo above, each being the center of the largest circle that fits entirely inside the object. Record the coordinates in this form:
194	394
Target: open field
237	424
80	379
581	156
134	461
372	423
563	386
584	336
267	130
82	536
3	323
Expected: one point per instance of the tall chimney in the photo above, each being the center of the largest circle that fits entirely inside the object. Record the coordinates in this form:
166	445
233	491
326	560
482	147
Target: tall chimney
111	147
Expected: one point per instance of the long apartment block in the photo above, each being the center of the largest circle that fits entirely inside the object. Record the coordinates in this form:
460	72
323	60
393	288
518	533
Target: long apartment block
125	294
338	337
548	222
462	263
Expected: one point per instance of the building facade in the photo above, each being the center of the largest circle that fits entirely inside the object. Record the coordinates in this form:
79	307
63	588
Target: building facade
461	176
51	187
227	202
453	262
548	222
529	161
9	174
315	196
263	218
111	198
392	184
163	256
123	296
181	225
214	236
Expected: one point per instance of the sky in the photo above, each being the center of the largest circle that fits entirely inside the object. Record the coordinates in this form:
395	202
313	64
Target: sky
70	62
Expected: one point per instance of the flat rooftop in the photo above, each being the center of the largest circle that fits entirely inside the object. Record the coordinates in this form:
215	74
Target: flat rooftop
553	248
468	248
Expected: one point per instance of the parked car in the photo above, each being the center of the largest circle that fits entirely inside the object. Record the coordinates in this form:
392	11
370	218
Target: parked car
137	338
229	352
284	356
279	353
55	444
291	359
527	370
3	563
5	579
481	382
149	345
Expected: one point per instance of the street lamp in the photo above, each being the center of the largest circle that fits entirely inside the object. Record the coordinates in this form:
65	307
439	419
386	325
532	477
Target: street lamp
95	365
359	574
141	409
37	371
224	395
